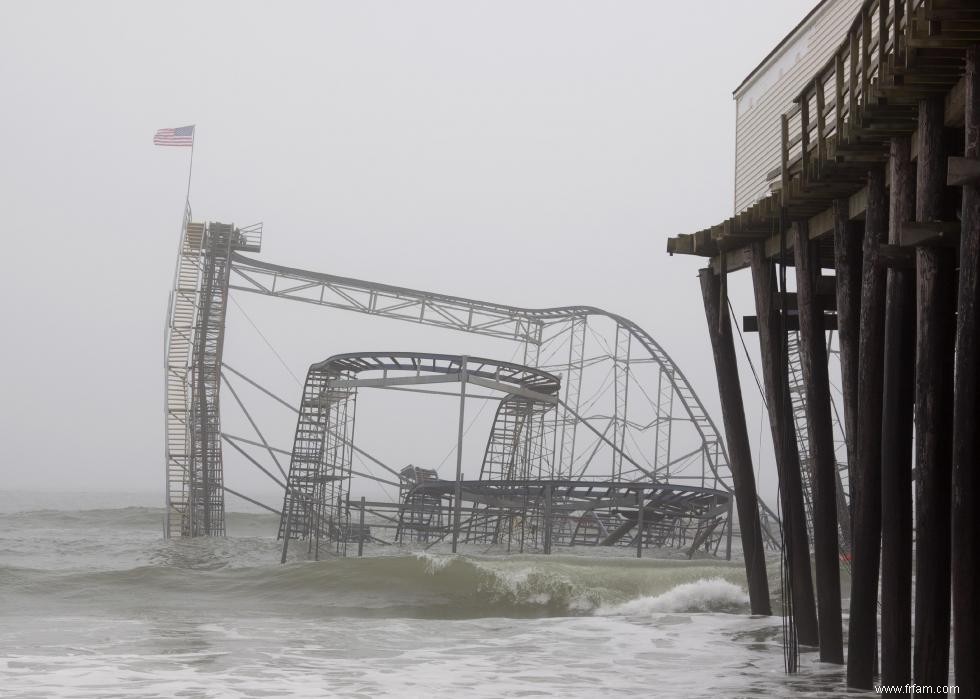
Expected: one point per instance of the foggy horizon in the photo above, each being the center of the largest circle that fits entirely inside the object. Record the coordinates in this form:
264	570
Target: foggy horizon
534	155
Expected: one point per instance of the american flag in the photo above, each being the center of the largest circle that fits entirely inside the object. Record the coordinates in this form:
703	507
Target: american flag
181	136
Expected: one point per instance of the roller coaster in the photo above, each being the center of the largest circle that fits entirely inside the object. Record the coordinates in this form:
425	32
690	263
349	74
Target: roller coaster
598	439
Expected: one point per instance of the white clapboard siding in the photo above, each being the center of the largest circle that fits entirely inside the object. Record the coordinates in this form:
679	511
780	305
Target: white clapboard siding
769	92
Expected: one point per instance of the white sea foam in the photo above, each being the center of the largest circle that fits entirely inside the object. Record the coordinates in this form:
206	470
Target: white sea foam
704	595
434	562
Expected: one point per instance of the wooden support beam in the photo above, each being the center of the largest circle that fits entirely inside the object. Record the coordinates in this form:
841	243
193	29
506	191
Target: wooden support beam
791	322
933	394
913	233
865	54
784	158
827	294
966	413
804	138
896	433
772	344
852	83
848	242
737	440
820	432
866	506
962	171
818	89
909	17
896	256
882	38
899	6
839	96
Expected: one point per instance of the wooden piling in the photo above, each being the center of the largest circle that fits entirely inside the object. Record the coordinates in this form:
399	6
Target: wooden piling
737	440
934	349
896	433
866	506
933	395
772	342
966	414
820	431
848	239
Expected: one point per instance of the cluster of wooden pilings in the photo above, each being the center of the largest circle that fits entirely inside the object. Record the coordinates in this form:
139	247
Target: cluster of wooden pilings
905	303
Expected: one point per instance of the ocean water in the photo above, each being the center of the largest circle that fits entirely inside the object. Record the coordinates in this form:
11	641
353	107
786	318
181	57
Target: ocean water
94	603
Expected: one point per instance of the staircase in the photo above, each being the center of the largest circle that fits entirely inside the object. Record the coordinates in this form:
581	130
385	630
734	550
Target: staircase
194	342
798	404
182	317
319	467
206	511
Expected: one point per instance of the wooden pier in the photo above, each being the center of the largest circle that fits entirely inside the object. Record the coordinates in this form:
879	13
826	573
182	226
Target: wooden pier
878	182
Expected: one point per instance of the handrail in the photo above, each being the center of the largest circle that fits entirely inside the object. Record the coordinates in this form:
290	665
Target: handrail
876	32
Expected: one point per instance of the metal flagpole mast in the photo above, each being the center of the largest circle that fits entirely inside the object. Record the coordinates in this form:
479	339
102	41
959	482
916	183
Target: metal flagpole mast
190	171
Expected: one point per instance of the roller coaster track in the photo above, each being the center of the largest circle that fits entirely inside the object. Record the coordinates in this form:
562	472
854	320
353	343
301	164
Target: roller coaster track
480	317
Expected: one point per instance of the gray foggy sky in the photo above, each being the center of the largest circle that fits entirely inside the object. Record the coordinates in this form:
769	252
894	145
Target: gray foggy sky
531	153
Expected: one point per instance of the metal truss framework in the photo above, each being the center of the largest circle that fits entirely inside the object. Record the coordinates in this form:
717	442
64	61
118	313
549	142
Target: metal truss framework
193	349
320	469
538	515
517	502
555	339
626	412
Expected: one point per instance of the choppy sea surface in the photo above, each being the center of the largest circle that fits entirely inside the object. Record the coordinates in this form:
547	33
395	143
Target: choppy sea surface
95	603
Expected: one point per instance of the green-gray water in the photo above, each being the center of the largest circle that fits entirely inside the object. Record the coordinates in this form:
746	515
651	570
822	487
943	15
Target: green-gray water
94	603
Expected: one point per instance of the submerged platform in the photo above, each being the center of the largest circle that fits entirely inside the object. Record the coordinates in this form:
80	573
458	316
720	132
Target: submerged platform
539	514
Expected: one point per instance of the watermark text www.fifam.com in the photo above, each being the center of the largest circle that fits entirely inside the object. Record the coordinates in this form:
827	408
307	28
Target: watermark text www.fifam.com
942	690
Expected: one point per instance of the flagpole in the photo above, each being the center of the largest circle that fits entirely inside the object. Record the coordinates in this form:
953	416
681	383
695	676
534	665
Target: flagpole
190	171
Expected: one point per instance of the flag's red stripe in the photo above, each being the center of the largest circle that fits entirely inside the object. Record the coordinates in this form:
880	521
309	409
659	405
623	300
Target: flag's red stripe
168	137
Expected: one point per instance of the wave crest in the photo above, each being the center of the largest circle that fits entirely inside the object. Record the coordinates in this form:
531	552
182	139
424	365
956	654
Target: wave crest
703	595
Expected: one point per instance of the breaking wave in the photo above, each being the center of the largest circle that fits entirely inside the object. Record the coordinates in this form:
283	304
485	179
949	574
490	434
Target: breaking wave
704	595
414	585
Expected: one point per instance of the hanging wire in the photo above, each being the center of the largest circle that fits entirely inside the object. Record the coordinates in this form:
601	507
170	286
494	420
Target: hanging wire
476	417
745	349
367	468
465	432
266	340
758	451
791	646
